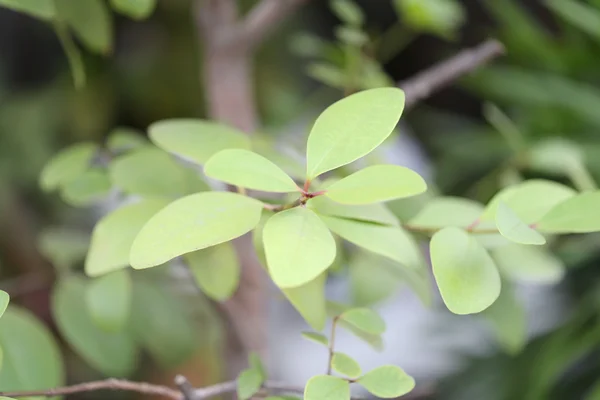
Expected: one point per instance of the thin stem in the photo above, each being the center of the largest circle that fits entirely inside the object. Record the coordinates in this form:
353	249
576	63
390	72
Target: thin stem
72	53
332	343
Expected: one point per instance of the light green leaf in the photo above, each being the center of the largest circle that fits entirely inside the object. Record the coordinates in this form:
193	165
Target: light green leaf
216	270
345	365
108	300
377	213
298	247
195	139
364	319
193	223
114	234
328	74
67	165
351	35
148	172
389	241
577	214
508	319
528	264
316	337
248	383
444	212
136	9
124	139
351	128
375	184
256	364
328	387
4	300
23	339
283	398
62	246
249	170
336	309
465	273
91	22
511	227
347	11
113	354
89	187
309	300
387	382
43	9
579	14
287	158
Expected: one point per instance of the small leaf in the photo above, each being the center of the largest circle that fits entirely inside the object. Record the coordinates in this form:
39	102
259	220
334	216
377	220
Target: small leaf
136	9
365	320
113	354
298	247
345	365
67	165
322	387
577	214
108	300
91	22
63	247
511	227
444	212
336	309
113	236
193	223
257	365
124	139
248	170
309	300
377	213
327	74
508	319
528	264
4	299
248	383
351	128
347	11
465	273
89	187
25	338
216	270
387	382
316	337
43	9
441	17
377	183
196	140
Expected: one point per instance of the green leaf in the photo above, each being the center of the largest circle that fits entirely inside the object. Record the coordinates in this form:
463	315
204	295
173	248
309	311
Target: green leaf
309	300
89	187
216	270
148	172
351	128
351	35
511	227
113	354
387	382
444	212
123	139
108	300
43	9
257	365
364	319
91	22
336	309
249	170
528	264
441	17
67	165
377	213
345	365
577	214
508	319
347	11
62	246
298	247
322	387
24	338
114	234
287	158
136	9
193	223
4	300
327	74
196	140
389	241
316	337
581	15
248	383
465	273
375	184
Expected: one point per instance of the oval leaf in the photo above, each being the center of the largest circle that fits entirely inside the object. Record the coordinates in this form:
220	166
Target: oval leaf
364	319
578	214
322	387
193	223
24	339
443	212
465	274
91	22
345	365
316	337
387	382
376	184
511	227
136	9
528	264
351	128
195	139
124	139
4	300
108	300
508	319
249	383
113	236
298	247
87	188
42	9
67	165
377	213
336	309
216	270
249	170
309	301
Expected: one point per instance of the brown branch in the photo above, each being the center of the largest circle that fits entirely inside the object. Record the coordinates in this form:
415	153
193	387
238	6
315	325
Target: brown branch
440	75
